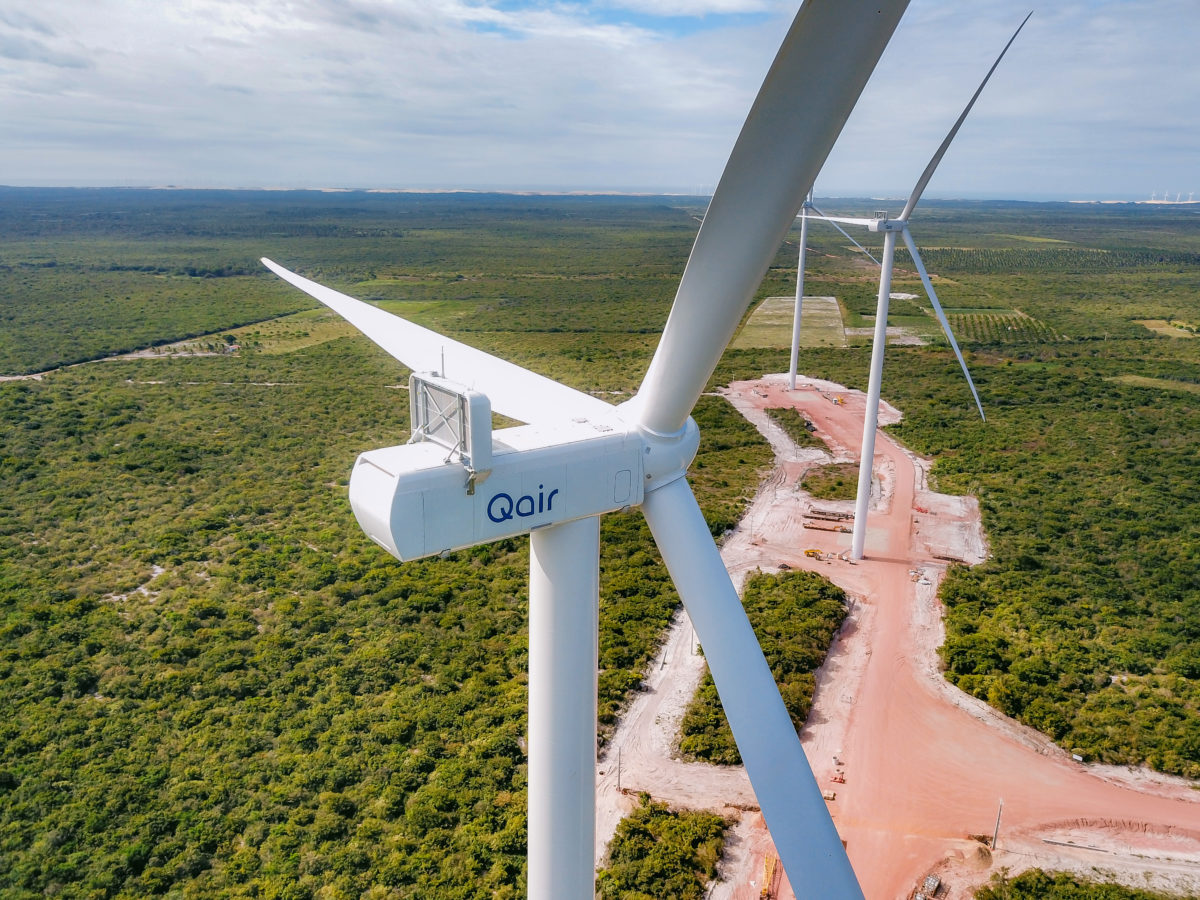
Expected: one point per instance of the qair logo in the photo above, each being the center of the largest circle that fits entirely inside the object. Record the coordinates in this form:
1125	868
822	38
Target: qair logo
503	507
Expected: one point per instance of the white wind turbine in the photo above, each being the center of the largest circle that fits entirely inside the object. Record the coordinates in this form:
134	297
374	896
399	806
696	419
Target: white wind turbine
799	307
890	228
458	484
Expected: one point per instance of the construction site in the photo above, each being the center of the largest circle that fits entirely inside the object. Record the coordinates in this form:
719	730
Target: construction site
932	790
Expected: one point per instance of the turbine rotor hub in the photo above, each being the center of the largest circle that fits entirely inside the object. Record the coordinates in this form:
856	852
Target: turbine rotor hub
667	456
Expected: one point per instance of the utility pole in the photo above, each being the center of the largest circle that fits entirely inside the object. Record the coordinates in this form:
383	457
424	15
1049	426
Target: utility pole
996	833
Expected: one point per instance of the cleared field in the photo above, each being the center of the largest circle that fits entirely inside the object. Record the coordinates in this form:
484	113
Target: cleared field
294	332
310	327
771	324
978	311
1165	383
1167	329
1031	239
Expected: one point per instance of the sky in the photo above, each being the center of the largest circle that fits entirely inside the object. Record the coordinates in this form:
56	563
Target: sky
1098	99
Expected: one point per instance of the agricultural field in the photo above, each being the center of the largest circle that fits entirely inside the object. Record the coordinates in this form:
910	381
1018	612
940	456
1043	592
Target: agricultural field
216	686
770	325
998	326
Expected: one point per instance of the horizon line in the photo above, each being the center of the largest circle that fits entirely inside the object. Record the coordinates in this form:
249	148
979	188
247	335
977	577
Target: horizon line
570	192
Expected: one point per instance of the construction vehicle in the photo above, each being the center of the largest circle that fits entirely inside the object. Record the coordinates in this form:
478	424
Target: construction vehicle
812	552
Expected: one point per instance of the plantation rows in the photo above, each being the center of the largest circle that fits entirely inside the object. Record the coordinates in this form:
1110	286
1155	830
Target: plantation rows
1057	259
1002	328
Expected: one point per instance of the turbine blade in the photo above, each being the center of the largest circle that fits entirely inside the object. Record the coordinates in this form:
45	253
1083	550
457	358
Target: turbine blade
846	234
512	390
791	801
937	308
850	220
923	181
813	84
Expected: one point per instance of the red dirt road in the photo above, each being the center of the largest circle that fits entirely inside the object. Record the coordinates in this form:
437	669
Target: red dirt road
925	766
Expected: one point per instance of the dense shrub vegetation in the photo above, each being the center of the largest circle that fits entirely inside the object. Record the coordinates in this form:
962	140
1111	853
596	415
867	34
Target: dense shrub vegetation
214	685
835	482
659	852
1038	885
1086	621
795	615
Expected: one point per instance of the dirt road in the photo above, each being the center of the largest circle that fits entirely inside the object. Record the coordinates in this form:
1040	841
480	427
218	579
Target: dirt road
925	765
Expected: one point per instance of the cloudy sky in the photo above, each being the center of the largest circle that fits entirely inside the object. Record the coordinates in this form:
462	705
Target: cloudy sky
1097	99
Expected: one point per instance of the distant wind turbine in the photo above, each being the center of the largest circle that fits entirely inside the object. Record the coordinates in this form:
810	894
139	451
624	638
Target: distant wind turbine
891	228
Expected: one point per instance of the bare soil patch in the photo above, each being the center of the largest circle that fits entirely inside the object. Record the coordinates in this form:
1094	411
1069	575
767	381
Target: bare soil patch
924	765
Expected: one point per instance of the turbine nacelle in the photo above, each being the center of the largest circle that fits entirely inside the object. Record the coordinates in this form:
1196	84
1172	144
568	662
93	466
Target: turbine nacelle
413	501
884	224
432	495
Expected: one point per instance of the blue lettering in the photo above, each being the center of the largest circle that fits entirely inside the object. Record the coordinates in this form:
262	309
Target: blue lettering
505	509
502	507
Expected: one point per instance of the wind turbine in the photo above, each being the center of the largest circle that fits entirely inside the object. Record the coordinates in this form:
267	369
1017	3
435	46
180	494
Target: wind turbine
799	308
891	228
459	484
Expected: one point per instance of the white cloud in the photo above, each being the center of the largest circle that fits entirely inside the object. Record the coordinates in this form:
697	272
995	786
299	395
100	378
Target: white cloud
552	94
699	8
1071	111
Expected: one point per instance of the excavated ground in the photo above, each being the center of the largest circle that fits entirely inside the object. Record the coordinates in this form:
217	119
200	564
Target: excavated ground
925	765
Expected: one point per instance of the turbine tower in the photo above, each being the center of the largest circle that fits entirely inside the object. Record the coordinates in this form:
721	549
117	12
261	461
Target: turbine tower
891	228
457	484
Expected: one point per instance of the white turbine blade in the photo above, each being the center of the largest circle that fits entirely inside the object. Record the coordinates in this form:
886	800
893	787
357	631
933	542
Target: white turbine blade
923	181
813	84
937	308
512	390
846	234
849	220
791	801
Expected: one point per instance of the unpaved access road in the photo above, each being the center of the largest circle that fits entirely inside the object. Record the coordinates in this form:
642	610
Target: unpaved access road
925	765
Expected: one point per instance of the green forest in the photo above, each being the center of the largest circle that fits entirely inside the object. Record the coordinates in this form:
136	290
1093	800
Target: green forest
1042	886
795	615
658	852
216	686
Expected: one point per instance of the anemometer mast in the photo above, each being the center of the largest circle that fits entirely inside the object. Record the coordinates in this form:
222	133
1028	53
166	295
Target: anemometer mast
456	418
